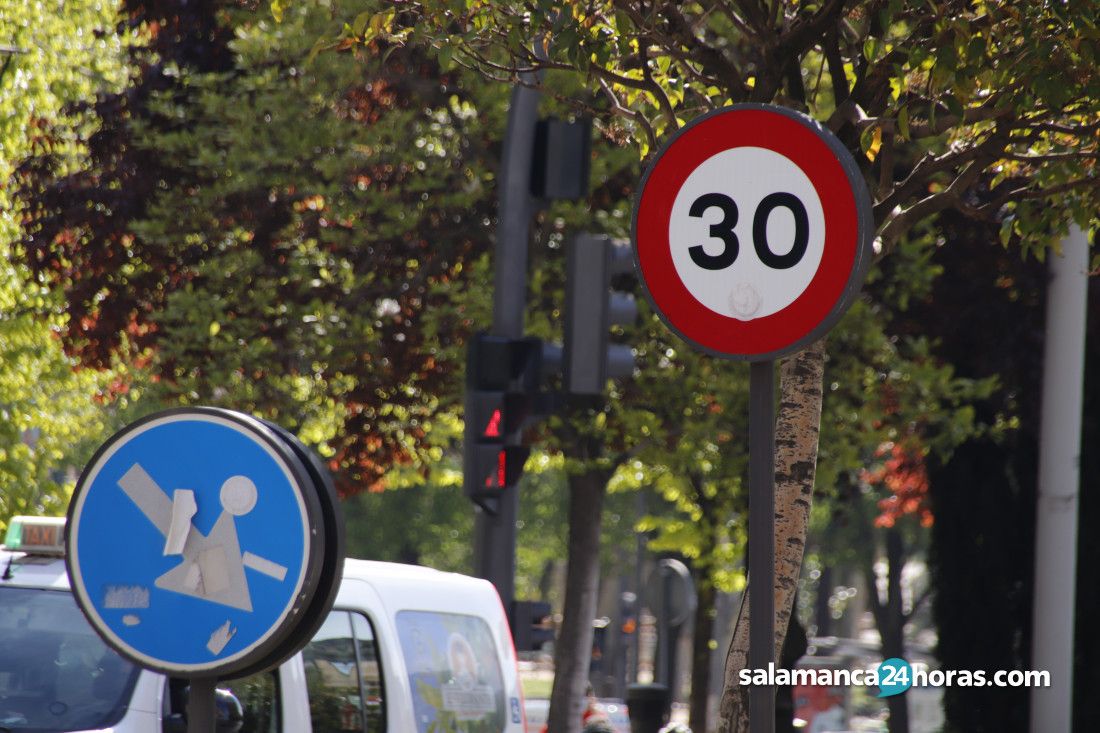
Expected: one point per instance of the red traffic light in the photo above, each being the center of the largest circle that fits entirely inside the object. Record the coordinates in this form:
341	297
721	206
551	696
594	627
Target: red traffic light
492	430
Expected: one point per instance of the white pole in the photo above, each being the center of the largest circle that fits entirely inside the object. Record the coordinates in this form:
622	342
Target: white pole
1059	479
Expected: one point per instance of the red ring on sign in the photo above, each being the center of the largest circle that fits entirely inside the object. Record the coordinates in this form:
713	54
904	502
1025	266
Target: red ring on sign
803	146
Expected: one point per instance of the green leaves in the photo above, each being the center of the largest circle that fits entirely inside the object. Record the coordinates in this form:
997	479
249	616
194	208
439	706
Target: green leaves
915	78
53	415
297	232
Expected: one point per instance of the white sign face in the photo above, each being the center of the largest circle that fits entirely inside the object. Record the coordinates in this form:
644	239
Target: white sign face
747	232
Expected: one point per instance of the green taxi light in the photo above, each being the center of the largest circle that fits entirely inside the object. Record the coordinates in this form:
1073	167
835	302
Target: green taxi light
36	535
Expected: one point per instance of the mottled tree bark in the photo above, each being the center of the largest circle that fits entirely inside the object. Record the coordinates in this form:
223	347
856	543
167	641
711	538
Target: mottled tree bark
573	649
796	439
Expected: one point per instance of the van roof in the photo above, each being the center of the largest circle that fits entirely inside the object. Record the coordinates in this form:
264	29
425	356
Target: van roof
402	584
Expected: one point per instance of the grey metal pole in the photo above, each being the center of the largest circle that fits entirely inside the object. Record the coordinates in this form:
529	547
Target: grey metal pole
202	714
495	545
641	543
514	210
1059	483
495	535
761	540
664	634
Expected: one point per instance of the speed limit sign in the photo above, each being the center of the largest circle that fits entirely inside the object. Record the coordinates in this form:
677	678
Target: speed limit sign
752	231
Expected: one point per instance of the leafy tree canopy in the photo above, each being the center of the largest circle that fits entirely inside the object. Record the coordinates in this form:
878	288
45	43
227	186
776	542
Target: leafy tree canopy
987	107
279	231
52	417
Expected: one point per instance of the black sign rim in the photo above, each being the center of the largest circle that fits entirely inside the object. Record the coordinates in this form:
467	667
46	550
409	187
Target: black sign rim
332	566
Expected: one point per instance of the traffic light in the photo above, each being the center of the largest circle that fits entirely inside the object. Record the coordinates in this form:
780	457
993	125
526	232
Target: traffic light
592	307
599	646
628	613
560	162
502	380
532	625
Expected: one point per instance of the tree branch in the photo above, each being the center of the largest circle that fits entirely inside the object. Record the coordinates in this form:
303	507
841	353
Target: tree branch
841	90
878	608
944	123
755	14
657	90
643	84
1026	192
1067	129
886	164
618	108
804	34
738	22
1047	157
710	57
917	603
900	220
931	165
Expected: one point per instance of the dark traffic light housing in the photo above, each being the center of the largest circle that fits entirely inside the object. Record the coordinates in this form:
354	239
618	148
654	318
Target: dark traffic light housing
592	307
532	625
561	159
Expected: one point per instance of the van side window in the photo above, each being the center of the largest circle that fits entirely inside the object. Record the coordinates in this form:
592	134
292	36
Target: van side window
454	672
251	702
370	672
343	676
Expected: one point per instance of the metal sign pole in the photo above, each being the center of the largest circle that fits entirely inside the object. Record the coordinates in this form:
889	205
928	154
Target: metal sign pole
202	714
762	540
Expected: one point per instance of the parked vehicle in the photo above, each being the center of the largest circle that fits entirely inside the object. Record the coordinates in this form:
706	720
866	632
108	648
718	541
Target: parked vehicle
406	649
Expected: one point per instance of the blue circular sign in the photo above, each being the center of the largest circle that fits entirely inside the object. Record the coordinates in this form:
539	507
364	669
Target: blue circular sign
194	541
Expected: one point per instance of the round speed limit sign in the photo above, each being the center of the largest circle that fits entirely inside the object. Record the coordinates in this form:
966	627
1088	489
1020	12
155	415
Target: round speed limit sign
752	231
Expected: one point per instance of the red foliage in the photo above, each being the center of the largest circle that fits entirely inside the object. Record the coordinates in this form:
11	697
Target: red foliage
903	473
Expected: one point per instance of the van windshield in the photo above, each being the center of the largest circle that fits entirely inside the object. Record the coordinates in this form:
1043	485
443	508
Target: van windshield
56	674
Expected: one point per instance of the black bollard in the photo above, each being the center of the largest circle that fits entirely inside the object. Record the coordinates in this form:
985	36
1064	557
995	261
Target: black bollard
648	706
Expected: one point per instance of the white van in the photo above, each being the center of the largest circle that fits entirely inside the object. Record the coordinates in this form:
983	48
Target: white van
405	649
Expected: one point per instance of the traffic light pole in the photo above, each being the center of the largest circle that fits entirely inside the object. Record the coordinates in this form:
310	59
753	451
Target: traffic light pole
495	534
514	210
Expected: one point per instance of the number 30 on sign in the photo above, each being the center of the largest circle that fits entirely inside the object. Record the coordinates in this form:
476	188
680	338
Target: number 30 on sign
752	231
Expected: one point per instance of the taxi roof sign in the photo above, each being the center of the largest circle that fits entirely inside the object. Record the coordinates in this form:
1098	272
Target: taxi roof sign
36	535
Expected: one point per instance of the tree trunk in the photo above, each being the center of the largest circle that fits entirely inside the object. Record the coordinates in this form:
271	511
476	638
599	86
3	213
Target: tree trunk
700	657
892	630
890	618
796	438
898	705
573	650
794	646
